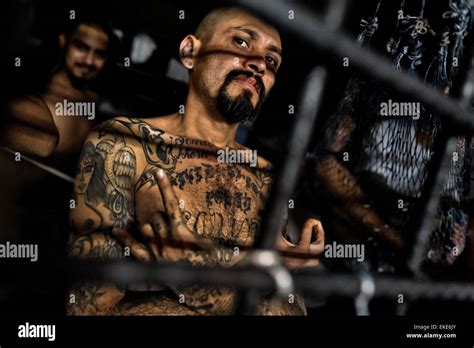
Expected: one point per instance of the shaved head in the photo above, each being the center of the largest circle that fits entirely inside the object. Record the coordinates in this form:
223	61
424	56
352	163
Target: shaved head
232	58
206	28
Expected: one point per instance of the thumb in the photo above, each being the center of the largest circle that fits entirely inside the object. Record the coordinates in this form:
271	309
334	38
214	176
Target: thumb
307	232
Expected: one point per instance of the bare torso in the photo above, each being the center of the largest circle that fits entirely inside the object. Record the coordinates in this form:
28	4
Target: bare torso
220	201
72	130
35	128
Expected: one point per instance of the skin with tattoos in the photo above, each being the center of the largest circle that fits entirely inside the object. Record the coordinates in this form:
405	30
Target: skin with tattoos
157	188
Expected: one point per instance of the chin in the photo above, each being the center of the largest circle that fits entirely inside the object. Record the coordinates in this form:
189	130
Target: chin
83	78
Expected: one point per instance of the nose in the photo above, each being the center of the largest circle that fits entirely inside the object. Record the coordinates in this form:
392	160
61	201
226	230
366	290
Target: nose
256	64
89	58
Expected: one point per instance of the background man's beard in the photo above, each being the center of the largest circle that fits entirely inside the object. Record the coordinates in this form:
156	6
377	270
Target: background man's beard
239	108
79	82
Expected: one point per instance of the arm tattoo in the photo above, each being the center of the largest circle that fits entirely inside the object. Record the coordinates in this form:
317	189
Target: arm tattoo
103	190
83	299
104	184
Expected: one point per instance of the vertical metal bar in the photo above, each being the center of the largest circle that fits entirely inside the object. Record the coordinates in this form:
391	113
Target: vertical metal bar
285	181
432	189
287	176
434	184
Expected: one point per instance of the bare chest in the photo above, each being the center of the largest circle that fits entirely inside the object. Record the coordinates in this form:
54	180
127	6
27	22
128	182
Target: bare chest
219	201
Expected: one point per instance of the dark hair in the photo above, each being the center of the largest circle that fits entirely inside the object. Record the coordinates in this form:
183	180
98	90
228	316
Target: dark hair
95	21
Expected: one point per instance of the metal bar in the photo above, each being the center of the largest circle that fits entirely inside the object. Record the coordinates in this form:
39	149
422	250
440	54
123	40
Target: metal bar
45	167
437	173
286	179
315	31
431	193
346	285
308	282
336	13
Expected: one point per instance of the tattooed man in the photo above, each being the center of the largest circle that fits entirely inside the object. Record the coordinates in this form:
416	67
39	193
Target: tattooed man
158	185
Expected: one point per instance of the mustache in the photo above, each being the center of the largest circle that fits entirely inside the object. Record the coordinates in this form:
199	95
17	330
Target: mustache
91	68
236	73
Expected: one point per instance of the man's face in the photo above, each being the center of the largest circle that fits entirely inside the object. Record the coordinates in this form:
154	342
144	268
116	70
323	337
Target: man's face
236	66
86	52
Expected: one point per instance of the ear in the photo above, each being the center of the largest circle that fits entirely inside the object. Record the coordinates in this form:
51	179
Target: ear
188	51
62	40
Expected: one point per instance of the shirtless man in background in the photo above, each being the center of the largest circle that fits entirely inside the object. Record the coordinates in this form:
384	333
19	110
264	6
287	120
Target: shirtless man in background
35	204
158	185
33	125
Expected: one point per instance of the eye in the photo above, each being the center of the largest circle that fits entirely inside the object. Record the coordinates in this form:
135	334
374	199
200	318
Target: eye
101	54
81	47
241	42
271	60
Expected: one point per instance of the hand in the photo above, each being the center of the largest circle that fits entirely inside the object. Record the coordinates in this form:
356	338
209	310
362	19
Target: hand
305	252
164	241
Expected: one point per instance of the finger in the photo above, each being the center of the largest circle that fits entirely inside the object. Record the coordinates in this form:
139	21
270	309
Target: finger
152	243
169	197
307	232
318	234
178	229
317	247
160	227
162	231
147	233
137	249
183	239
283	244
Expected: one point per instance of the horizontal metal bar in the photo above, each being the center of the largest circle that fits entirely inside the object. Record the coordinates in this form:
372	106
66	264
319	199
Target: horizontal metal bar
310	282
323	283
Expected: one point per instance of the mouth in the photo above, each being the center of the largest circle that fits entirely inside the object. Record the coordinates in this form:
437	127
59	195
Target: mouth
84	69
248	82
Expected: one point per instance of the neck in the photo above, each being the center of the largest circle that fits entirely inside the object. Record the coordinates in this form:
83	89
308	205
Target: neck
203	122
62	85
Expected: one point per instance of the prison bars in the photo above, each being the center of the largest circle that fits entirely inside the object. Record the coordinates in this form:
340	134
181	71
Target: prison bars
327	39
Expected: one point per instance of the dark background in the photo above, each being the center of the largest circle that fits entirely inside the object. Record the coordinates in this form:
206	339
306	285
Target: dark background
29	29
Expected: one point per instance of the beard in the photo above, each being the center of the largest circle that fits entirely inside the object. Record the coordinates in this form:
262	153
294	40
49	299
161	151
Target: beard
240	108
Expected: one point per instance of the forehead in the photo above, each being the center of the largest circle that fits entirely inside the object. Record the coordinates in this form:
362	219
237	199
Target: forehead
240	19
91	35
